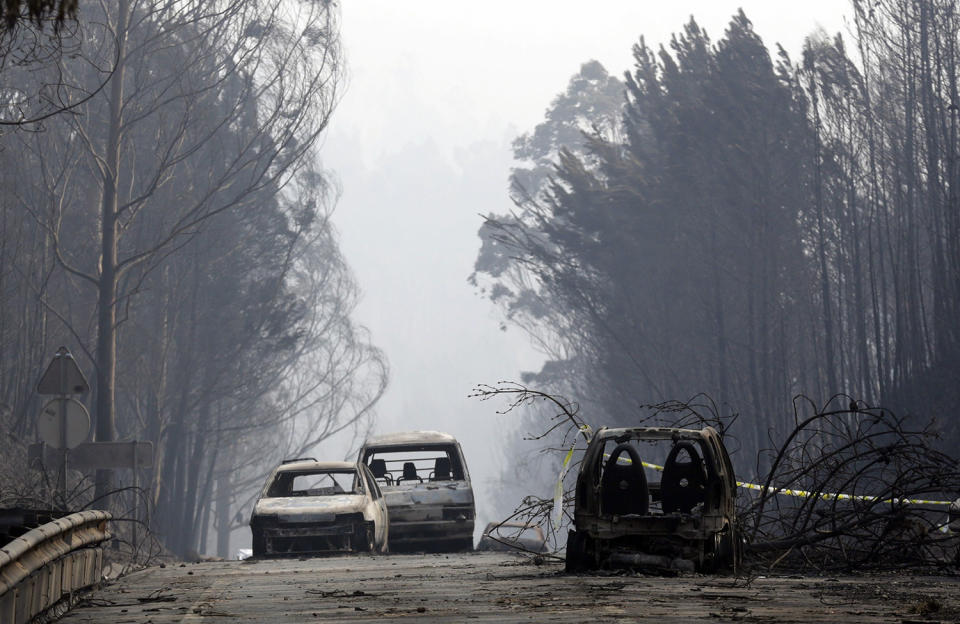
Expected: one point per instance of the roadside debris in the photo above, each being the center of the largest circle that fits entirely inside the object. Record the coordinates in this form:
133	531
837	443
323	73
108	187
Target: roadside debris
513	537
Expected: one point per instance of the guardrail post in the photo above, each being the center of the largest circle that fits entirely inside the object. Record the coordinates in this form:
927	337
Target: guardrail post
8	606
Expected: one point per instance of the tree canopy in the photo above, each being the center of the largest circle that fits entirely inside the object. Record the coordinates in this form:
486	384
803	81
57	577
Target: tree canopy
174	230
752	229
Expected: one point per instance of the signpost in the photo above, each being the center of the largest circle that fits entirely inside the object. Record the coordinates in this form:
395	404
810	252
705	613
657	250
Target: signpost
61	420
64	424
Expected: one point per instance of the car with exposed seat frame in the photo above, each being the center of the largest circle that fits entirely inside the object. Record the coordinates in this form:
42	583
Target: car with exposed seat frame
424	478
681	518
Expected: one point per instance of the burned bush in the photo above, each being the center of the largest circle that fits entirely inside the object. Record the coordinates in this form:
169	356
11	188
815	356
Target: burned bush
852	487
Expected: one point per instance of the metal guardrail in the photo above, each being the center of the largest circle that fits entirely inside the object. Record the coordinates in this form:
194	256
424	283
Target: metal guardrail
47	564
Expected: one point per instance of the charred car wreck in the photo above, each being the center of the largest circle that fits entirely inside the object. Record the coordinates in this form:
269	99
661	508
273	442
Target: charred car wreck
685	521
427	488
311	507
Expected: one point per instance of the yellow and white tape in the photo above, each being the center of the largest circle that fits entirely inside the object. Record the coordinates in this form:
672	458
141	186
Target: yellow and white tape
558	490
800	493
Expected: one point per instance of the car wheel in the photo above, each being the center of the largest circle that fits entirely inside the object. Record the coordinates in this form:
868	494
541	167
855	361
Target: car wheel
576	558
725	554
259	543
711	554
735	541
364	538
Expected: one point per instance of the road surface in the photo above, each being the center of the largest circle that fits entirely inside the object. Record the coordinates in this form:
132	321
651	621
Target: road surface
487	587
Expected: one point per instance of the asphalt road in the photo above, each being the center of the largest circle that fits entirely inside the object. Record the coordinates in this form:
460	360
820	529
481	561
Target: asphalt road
489	587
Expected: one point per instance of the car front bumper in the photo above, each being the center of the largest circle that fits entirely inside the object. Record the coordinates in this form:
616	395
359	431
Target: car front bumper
316	538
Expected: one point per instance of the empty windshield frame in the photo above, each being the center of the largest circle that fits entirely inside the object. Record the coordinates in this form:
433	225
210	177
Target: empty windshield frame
290	483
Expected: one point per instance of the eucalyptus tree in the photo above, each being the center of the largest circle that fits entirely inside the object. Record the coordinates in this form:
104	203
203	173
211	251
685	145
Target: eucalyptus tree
909	59
209	108
666	257
591	106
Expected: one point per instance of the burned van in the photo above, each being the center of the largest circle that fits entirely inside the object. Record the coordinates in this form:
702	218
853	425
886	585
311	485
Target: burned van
427	489
657	498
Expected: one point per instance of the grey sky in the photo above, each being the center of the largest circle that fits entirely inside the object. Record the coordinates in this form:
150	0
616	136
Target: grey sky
421	144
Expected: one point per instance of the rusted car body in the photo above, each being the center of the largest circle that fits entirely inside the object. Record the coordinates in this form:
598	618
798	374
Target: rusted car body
427	488
513	537
685	520
311	507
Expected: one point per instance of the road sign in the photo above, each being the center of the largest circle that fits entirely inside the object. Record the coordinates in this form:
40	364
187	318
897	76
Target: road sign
94	455
74	419
130	454
63	376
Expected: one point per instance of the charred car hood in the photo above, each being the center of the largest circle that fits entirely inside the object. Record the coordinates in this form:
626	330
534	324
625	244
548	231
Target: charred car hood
309	508
435	493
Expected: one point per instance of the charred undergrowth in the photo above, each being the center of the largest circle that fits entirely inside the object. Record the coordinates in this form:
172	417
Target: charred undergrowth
853	487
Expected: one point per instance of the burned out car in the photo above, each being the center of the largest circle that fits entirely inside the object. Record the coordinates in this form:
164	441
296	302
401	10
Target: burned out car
427	488
311	507
513	537
681	518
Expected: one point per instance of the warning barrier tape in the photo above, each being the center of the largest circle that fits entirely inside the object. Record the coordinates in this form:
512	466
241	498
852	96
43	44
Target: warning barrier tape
558	489
805	493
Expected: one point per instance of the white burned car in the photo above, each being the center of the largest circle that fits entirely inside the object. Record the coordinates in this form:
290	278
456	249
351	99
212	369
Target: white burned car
425	482
311	507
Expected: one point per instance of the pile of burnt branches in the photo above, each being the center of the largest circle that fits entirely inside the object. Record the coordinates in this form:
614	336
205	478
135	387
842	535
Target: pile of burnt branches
852	487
